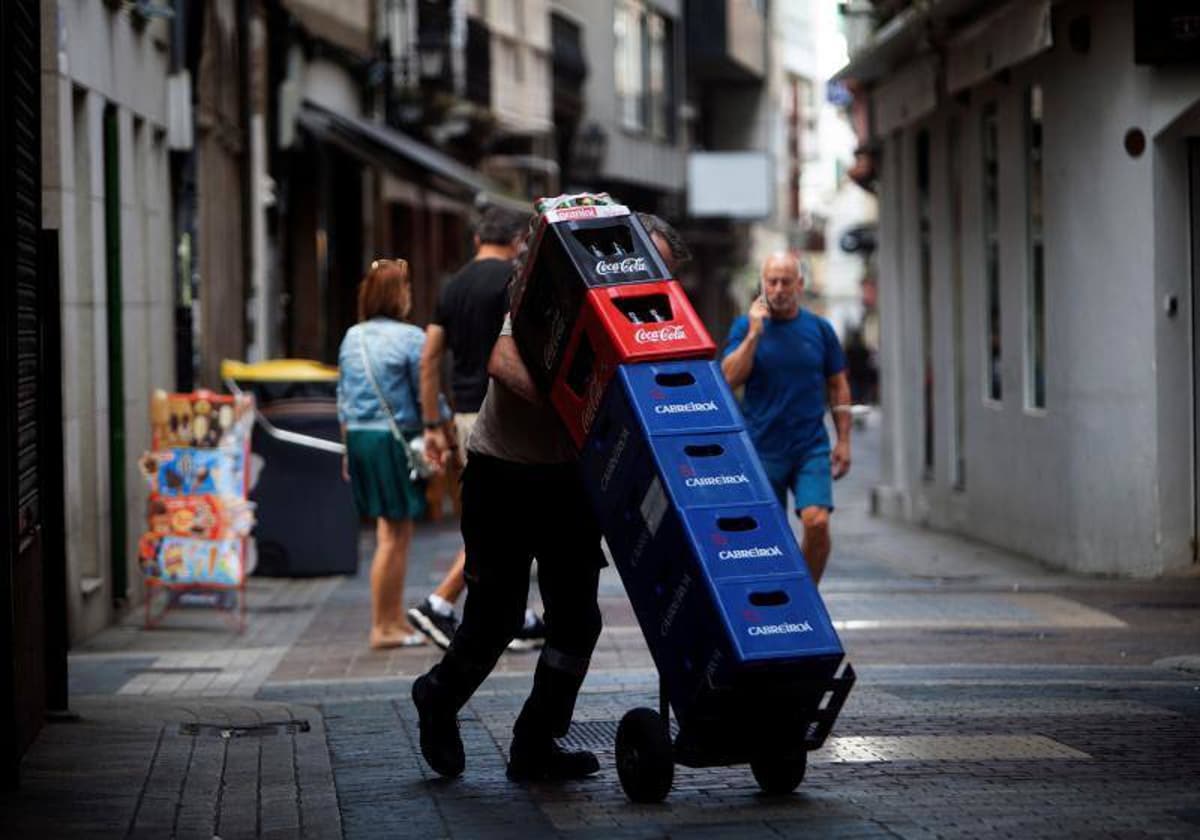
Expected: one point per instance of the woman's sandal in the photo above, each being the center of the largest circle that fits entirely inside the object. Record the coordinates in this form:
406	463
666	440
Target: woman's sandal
413	639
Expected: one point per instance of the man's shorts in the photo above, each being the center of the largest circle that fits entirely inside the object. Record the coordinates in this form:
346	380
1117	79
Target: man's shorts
809	477
463	424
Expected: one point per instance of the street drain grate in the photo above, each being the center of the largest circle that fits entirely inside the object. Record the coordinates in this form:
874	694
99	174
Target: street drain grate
597	734
258	730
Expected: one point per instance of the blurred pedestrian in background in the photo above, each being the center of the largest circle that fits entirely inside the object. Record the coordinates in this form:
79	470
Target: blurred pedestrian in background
378	408
467	321
860	368
793	368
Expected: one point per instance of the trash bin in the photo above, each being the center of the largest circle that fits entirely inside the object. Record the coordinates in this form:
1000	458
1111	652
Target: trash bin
307	523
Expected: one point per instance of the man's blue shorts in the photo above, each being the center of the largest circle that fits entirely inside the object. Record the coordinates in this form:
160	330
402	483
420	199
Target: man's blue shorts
809	477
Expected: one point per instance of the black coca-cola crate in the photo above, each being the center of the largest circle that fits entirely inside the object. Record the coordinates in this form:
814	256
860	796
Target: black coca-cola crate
574	250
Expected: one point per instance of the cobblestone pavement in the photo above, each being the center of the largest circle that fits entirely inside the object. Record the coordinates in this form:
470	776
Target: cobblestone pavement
994	699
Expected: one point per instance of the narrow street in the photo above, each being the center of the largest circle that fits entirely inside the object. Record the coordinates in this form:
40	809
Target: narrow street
994	699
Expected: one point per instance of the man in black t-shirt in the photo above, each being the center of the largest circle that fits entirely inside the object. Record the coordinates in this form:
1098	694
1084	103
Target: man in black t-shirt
467	320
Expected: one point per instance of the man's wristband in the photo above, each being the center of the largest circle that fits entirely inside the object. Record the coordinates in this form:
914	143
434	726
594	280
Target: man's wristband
841	409
432	424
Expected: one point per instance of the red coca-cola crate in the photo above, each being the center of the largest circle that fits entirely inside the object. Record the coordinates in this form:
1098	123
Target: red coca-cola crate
620	325
645	321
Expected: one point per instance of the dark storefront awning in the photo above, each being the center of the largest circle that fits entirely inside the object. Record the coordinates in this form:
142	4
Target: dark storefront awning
389	149
902	37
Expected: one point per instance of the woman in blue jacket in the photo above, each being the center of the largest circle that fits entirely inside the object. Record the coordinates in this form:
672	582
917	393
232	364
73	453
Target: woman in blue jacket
378	407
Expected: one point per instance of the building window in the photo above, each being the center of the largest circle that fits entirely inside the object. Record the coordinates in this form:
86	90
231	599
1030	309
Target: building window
658	82
627	64
990	140
643	62
924	229
1035	286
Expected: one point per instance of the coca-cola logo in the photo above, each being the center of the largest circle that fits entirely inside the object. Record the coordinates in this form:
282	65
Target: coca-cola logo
660	335
625	266
595	393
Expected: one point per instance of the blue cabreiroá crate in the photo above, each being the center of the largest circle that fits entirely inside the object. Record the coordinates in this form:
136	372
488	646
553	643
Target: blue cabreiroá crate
709	561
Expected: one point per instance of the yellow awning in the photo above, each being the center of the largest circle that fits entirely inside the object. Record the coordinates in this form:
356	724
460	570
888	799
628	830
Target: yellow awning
278	370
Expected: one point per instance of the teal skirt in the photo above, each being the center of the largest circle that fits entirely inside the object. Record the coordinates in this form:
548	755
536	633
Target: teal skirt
379	476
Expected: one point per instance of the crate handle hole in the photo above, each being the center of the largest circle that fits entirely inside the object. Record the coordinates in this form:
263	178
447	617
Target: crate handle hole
680	379
774	598
645	309
606	242
704	450
737	523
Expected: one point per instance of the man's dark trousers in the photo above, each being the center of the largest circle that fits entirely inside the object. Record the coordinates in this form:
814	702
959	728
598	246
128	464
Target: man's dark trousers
510	514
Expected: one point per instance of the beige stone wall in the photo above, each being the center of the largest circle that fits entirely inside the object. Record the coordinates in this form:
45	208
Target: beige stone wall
521	74
103	60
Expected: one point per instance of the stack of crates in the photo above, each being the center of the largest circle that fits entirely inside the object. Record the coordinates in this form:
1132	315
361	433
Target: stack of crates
719	586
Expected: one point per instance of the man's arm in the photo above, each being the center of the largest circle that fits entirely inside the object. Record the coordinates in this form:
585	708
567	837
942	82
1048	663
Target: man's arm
507	367
436	445
738	365
838	392
345	456
431	372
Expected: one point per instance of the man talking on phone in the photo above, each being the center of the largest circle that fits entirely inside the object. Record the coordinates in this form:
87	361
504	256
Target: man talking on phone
793	368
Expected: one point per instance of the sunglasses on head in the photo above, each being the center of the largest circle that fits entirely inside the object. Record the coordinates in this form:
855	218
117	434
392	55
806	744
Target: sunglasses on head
375	264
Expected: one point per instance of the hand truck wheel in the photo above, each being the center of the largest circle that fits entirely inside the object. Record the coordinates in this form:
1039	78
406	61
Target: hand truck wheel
779	775
645	758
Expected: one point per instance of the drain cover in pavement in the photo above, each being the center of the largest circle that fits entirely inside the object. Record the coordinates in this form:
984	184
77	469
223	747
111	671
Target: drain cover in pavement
258	730
597	734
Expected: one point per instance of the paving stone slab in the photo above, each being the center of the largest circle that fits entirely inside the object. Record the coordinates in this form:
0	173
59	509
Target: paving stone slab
222	781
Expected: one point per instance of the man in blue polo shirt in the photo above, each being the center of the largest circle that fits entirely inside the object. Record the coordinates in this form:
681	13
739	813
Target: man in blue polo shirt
793	368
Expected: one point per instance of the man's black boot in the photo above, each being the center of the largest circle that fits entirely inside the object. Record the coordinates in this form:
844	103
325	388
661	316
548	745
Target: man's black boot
440	741
541	760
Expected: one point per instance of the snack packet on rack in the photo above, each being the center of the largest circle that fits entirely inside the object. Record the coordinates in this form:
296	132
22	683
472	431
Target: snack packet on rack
205	516
202	419
188	471
185	560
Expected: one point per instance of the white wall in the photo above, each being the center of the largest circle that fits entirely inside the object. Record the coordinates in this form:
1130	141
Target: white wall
101	59
1093	483
331	86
